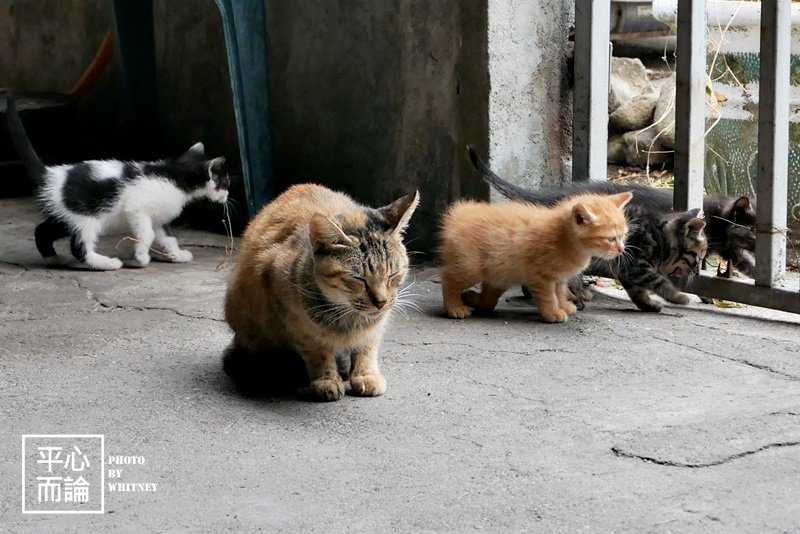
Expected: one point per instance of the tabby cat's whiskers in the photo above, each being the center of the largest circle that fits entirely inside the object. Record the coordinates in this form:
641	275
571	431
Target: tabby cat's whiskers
229	231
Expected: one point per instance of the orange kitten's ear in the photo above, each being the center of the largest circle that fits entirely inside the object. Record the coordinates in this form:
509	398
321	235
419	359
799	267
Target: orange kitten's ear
399	212
326	234
620	199
581	215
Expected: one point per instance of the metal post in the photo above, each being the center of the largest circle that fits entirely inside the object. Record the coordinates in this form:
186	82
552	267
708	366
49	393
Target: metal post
773	142
690	104
590	106
245	27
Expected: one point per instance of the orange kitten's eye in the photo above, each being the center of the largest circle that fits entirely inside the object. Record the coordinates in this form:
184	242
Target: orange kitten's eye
612	239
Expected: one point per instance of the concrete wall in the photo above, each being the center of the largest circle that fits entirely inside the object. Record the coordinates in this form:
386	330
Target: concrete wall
378	98
374	98
529	107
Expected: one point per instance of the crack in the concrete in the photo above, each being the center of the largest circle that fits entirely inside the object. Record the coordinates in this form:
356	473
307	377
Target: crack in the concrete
165	308
90	294
669	463
473	347
508	390
745	335
742	361
17	265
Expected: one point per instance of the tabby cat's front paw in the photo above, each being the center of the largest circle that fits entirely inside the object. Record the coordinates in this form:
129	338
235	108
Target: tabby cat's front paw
555	315
648	305
679	298
326	389
368	385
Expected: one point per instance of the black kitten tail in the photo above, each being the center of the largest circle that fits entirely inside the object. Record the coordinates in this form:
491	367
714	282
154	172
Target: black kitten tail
22	143
264	374
503	187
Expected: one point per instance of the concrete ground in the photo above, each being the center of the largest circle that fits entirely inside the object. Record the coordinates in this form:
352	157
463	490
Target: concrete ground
684	421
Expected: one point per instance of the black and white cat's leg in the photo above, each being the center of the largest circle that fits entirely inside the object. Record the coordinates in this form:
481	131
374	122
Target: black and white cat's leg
142	228
48	233
366	379
83	248
166	242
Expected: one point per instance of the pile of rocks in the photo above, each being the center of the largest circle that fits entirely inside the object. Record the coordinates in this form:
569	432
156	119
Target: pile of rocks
641	115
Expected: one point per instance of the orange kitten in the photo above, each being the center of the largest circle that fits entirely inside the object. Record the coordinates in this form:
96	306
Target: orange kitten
511	243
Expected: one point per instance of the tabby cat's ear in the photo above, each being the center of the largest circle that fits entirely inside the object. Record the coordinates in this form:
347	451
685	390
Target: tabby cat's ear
581	215
694	226
620	199
399	212
326	234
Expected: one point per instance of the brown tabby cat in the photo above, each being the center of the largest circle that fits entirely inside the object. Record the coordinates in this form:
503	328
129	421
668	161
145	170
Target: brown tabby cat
317	275
512	243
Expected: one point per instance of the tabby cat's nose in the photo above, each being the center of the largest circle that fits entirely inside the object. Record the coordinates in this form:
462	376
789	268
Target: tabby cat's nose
379	303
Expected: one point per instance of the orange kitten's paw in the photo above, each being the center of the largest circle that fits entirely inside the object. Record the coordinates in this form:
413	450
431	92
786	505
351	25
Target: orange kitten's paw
554	316
368	385
326	389
459	312
471	298
570	308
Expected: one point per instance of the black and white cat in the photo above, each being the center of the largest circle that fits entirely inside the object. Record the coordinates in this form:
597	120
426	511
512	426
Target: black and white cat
92	198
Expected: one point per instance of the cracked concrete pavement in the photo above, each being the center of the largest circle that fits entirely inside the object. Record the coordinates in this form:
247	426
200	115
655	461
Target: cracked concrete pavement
684	421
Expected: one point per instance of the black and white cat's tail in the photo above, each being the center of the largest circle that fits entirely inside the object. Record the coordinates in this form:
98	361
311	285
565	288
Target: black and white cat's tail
22	144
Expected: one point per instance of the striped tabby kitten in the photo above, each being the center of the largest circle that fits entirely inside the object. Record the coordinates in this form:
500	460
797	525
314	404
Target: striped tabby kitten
662	246
317	276
505	244
660	249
